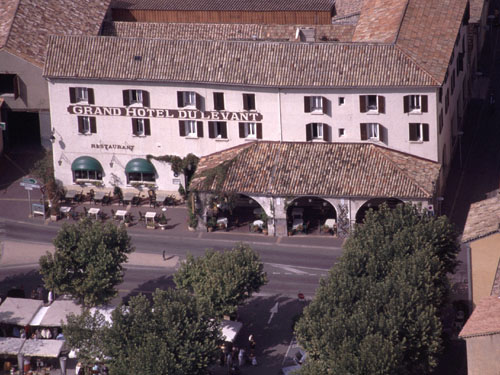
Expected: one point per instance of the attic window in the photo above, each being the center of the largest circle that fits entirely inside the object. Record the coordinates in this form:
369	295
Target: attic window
137	58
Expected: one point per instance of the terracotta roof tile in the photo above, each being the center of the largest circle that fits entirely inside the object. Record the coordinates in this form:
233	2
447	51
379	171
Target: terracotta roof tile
380	21
485	319
32	21
345	8
325	169
275	64
483	219
217	31
227	5
476	10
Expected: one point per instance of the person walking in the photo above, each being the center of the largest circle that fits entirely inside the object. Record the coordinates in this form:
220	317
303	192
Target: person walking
253	344
241	357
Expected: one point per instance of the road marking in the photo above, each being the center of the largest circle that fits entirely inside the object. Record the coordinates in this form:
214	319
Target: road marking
276	273
292	342
274	310
297	268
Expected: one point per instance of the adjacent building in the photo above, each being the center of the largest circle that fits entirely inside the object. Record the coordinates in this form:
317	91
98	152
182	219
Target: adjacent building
25	26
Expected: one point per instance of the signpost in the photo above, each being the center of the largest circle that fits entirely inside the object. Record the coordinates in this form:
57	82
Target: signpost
30	184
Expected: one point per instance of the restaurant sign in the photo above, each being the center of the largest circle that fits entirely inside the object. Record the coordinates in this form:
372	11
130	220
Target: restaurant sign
182	114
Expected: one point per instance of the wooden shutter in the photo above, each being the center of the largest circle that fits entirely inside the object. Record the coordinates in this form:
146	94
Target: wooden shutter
413	132
326	105
72	95
309	132
218	101
224	130
199	101
381	104
80	125
126	98
423	99
245	102
364	135
326	132
145	98
381	133
211	128
135	129
440	94
147	127
180	99
90	94
425	131
199	129
241	127
93	126
259	130
17	86
307	104
182	128
251	98
406	103
362	104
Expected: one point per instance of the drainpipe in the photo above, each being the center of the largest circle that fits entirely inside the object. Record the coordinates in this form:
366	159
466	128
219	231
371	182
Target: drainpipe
279	115
469	277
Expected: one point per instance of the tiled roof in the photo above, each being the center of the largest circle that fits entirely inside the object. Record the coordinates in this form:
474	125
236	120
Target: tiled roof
495	289
25	25
226	5
483	219
428	33
379	21
485	319
274	64
425	30
347	7
324	169
229	31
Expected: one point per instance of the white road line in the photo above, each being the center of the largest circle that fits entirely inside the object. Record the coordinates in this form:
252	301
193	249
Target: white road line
297	268
276	273
292	342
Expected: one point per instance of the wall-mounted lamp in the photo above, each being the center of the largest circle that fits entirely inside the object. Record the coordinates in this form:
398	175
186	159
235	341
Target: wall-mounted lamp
59	162
111	163
52	138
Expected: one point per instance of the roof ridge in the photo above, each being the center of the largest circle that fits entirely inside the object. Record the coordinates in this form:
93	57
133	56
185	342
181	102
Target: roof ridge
401	21
381	150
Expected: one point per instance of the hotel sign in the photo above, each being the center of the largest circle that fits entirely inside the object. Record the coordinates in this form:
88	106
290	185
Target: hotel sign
182	114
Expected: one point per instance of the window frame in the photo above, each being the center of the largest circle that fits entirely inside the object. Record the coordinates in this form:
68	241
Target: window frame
249	102
317	130
141	180
367	102
317	104
189	98
139	94
78	175
84	97
250	130
415	103
189	133
421	131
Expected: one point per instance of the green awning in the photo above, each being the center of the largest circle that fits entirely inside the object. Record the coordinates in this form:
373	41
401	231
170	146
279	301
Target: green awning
86	163
139	166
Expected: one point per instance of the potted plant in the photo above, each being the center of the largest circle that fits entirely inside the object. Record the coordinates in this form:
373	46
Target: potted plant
325	229
192	222
127	220
211	223
162	222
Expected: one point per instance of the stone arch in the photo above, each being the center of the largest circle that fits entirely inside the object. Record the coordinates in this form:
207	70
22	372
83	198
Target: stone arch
374	204
312	210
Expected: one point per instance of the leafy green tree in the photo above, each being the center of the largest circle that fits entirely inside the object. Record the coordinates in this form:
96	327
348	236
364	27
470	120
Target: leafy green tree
172	335
378	311
223	280
87	262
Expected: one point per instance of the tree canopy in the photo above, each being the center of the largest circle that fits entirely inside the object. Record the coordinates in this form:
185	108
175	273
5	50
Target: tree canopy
223	280
87	262
378	311
172	335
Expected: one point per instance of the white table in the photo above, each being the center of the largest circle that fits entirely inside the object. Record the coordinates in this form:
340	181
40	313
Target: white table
258	223
94	211
150	215
222	220
296	223
330	223
65	210
121	214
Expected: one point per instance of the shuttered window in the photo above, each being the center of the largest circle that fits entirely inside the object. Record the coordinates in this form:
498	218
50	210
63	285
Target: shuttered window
87	125
218	101
141	127
419	132
249	102
217	130
371	104
250	130
136	97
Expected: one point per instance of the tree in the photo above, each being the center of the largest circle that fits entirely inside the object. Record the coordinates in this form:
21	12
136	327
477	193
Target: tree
172	335
378	311
223	280
87	262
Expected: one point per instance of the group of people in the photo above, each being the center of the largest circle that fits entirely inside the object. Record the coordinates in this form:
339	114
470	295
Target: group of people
235	358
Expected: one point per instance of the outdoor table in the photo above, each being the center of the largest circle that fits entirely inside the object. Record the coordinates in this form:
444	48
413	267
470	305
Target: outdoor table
222	220
258	223
94	211
121	214
150	215
330	223
65	210
296	223
128	195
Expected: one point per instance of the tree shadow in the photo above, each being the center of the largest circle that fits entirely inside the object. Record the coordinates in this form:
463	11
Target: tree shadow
17	162
147	288
27	281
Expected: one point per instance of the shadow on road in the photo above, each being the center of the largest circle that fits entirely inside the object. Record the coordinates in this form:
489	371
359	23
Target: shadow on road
26	281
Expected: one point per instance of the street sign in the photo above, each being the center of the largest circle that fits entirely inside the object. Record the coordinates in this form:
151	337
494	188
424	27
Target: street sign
28	188
3	125
38	209
30	183
30	180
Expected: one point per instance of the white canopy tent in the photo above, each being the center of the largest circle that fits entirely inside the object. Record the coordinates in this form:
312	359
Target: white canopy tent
230	330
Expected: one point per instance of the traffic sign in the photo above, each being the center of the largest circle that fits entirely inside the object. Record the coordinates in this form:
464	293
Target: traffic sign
30	183
30	180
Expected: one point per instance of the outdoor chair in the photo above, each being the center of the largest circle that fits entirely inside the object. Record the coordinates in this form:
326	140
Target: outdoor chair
91	196
106	200
142	217
113	214
152	198
136	201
